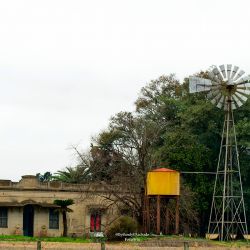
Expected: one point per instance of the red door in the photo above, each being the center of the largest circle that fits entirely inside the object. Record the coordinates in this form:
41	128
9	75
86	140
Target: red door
95	222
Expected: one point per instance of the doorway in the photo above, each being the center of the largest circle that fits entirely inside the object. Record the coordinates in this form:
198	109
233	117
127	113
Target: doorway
28	220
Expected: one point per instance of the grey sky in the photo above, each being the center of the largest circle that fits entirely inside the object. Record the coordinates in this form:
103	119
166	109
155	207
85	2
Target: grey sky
67	66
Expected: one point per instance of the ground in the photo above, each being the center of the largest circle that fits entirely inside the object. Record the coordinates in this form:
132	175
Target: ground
137	243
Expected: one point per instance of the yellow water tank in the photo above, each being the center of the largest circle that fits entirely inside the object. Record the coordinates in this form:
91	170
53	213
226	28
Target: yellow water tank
163	181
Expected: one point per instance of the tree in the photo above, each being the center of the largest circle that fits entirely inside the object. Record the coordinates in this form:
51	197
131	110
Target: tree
124	153
64	209
191	141
76	174
47	176
129	147
169	127
128	142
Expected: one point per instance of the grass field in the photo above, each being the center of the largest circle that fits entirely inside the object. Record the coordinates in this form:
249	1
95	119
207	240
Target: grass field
172	240
46	239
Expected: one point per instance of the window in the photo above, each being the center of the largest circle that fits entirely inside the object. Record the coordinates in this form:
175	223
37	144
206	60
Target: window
95	221
53	219
3	217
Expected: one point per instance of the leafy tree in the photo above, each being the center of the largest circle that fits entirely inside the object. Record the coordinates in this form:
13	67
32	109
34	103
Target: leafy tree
191	143
47	176
76	174
64	209
169	127
128	149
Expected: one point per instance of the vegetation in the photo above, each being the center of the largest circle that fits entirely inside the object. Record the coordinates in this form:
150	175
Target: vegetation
169	128
47	176
64	209
192	242
124	225
47	239
72	175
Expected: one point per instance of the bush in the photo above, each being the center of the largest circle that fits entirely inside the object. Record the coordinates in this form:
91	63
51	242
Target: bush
124	225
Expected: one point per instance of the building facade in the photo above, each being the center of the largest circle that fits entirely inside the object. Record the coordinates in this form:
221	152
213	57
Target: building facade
27	208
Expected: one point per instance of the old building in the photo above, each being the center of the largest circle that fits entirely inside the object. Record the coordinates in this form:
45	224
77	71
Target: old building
26	208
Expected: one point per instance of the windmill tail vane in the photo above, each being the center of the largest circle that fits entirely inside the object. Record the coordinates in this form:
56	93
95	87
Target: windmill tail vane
228	88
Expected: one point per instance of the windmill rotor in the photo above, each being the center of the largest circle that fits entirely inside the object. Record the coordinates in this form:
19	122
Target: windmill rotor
225	83
228	88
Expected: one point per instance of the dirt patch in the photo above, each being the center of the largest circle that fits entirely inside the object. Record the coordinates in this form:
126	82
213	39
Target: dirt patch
49	246
147	245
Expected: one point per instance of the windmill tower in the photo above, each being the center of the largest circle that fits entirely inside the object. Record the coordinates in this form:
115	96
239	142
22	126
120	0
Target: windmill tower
228	89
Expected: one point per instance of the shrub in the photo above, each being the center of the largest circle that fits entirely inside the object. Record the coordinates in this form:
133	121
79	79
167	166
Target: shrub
124	225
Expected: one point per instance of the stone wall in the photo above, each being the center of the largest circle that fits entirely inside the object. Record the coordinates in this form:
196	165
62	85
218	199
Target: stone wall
15	195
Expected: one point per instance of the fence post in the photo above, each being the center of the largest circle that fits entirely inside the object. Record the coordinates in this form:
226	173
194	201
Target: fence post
102	245
39	245
186	246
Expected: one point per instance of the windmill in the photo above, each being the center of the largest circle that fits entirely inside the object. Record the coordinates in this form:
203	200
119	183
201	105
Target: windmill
228	88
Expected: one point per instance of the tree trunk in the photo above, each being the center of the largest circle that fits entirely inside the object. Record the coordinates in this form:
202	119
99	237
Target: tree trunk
65	226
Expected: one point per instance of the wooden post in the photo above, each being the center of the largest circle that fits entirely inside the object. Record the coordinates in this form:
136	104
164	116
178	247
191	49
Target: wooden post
103	245
186	246
39	245
148	214
167	219
158	216
144	217
177	216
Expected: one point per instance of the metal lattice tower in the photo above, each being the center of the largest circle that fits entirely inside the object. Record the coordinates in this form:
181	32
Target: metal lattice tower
227	88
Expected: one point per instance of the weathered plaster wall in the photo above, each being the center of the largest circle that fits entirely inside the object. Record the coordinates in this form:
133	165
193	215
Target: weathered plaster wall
42	195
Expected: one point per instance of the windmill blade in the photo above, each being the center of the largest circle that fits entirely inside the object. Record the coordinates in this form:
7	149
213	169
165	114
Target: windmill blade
217	73
213	77
242	80
221	102
215	87
210	95
234	71
229	68
240	96
215	84
240	74
213	93
246	85
243	86
216	99
237	101
243	91
197	84
223	70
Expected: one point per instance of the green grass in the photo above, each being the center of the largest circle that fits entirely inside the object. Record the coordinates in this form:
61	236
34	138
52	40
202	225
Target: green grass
137	239
46	239
236	243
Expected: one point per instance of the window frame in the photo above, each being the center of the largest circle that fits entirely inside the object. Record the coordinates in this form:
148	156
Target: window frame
54	218
3	217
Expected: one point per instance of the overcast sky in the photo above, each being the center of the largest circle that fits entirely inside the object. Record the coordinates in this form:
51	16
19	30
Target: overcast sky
67	66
